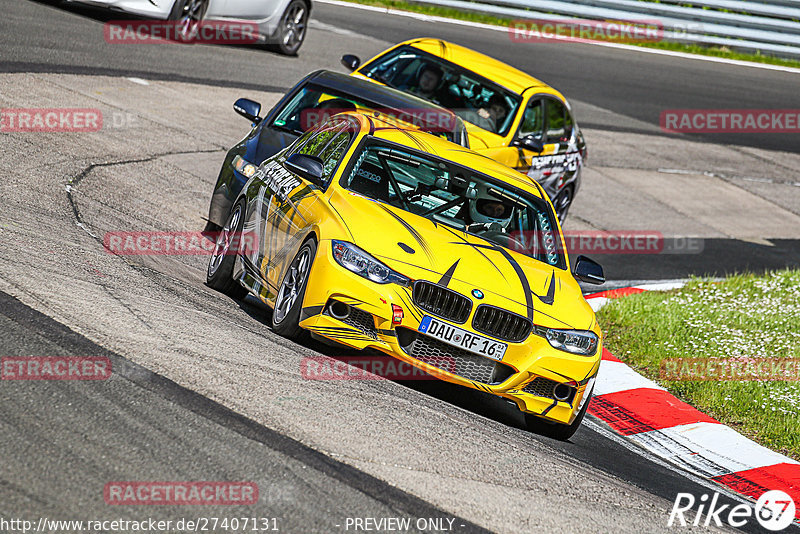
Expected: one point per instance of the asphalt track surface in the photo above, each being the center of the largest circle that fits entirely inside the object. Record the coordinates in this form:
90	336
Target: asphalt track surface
202	390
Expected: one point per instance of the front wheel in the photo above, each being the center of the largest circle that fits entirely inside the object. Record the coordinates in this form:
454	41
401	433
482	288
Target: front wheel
556	430
286	315
292	28
220	266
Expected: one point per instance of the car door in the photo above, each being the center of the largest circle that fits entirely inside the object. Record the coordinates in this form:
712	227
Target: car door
282	203
549	121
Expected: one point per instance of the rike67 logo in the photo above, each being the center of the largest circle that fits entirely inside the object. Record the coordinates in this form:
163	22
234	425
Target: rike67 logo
774	511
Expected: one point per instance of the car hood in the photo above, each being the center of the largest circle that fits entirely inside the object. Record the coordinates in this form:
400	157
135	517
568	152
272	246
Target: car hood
425	250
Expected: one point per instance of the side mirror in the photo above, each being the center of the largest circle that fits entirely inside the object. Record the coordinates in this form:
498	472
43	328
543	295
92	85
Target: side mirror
305	166
529	142
589	271
351	62
248	109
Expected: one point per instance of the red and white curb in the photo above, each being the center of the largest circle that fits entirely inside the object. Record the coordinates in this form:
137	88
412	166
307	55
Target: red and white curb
645	413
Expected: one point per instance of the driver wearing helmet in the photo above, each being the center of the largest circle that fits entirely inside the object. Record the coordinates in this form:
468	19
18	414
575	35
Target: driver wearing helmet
489	211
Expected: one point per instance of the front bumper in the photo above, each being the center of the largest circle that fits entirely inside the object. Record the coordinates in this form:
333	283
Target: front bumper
513	379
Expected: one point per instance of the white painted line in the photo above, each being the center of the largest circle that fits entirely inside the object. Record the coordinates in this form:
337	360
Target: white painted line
645	50
649	455
597	302
661	286
616	376
140	81
708	449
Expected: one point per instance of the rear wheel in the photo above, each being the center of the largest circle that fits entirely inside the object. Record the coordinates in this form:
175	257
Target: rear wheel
292	28
188	14
286	315
220	266
556	430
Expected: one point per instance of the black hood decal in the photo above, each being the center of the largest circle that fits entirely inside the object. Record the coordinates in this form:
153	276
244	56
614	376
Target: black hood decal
465	242
445	279
416	235
526	286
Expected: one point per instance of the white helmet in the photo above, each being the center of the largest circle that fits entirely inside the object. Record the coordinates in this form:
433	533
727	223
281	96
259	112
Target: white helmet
487	209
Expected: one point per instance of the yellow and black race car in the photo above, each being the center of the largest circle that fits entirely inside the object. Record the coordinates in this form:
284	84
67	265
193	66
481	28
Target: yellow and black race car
511	116
376	236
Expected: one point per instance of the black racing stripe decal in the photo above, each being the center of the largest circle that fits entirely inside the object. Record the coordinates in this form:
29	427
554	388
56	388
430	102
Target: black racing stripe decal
445	279
526	287
551	291
420	145
547	410
592	373
417	237
341	219
310	311
338	329
409	306
465	242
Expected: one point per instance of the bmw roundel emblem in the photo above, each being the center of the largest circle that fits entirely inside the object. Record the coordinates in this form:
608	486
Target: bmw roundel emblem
477	293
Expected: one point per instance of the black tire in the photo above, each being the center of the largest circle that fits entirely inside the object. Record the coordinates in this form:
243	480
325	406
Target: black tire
188	14
219	275
211	228
562	203
289	301
292	28
557	431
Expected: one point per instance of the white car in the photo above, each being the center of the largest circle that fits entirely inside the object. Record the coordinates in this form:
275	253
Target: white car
282	24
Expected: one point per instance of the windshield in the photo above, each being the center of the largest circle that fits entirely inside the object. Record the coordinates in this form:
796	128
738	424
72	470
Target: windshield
470	96
456	196
313	105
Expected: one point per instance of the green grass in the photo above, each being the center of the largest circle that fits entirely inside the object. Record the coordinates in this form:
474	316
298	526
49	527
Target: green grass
741	316
470	16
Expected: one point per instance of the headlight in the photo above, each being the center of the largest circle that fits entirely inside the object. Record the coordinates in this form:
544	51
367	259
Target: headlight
244	166
575	341
356	260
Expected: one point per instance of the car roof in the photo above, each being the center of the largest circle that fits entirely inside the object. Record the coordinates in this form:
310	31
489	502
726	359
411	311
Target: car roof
373	92
444	149
501	73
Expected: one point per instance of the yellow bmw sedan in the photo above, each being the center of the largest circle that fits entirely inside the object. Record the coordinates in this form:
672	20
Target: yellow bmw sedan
512	117
380	237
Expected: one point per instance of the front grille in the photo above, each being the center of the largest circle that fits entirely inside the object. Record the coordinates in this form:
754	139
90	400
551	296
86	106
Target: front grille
501	324
456	360
442	302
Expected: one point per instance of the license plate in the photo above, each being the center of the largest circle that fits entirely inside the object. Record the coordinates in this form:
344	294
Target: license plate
458	337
